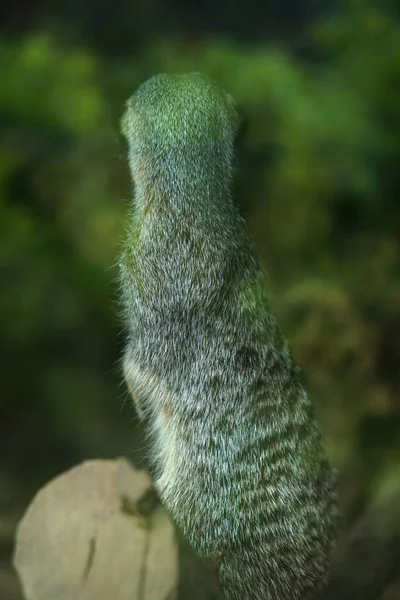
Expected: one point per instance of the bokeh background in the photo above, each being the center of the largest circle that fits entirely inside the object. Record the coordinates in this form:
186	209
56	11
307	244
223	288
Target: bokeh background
318	179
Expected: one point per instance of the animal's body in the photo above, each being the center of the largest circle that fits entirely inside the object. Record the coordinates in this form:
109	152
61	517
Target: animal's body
238	457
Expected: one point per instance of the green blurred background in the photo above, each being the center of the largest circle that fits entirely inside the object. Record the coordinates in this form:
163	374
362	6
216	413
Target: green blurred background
318	180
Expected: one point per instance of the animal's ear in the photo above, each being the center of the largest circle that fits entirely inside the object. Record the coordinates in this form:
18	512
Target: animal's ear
233	107
242	128
123	124
124	121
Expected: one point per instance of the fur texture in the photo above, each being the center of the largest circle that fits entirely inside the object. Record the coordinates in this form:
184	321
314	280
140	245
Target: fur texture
238	456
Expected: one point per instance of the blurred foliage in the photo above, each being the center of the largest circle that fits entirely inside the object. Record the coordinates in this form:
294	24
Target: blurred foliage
58	232
318	181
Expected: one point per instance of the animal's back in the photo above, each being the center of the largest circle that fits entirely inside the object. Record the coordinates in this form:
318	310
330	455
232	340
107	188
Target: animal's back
239	456
249	477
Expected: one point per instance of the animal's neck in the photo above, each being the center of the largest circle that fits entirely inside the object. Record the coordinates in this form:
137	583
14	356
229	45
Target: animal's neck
185	182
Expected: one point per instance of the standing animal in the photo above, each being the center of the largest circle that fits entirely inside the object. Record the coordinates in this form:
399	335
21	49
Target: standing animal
238	457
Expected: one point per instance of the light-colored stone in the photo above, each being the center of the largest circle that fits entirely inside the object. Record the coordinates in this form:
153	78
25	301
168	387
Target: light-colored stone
76	541
161	575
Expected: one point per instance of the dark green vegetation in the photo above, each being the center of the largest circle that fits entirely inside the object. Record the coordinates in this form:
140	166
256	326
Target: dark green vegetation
318	179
